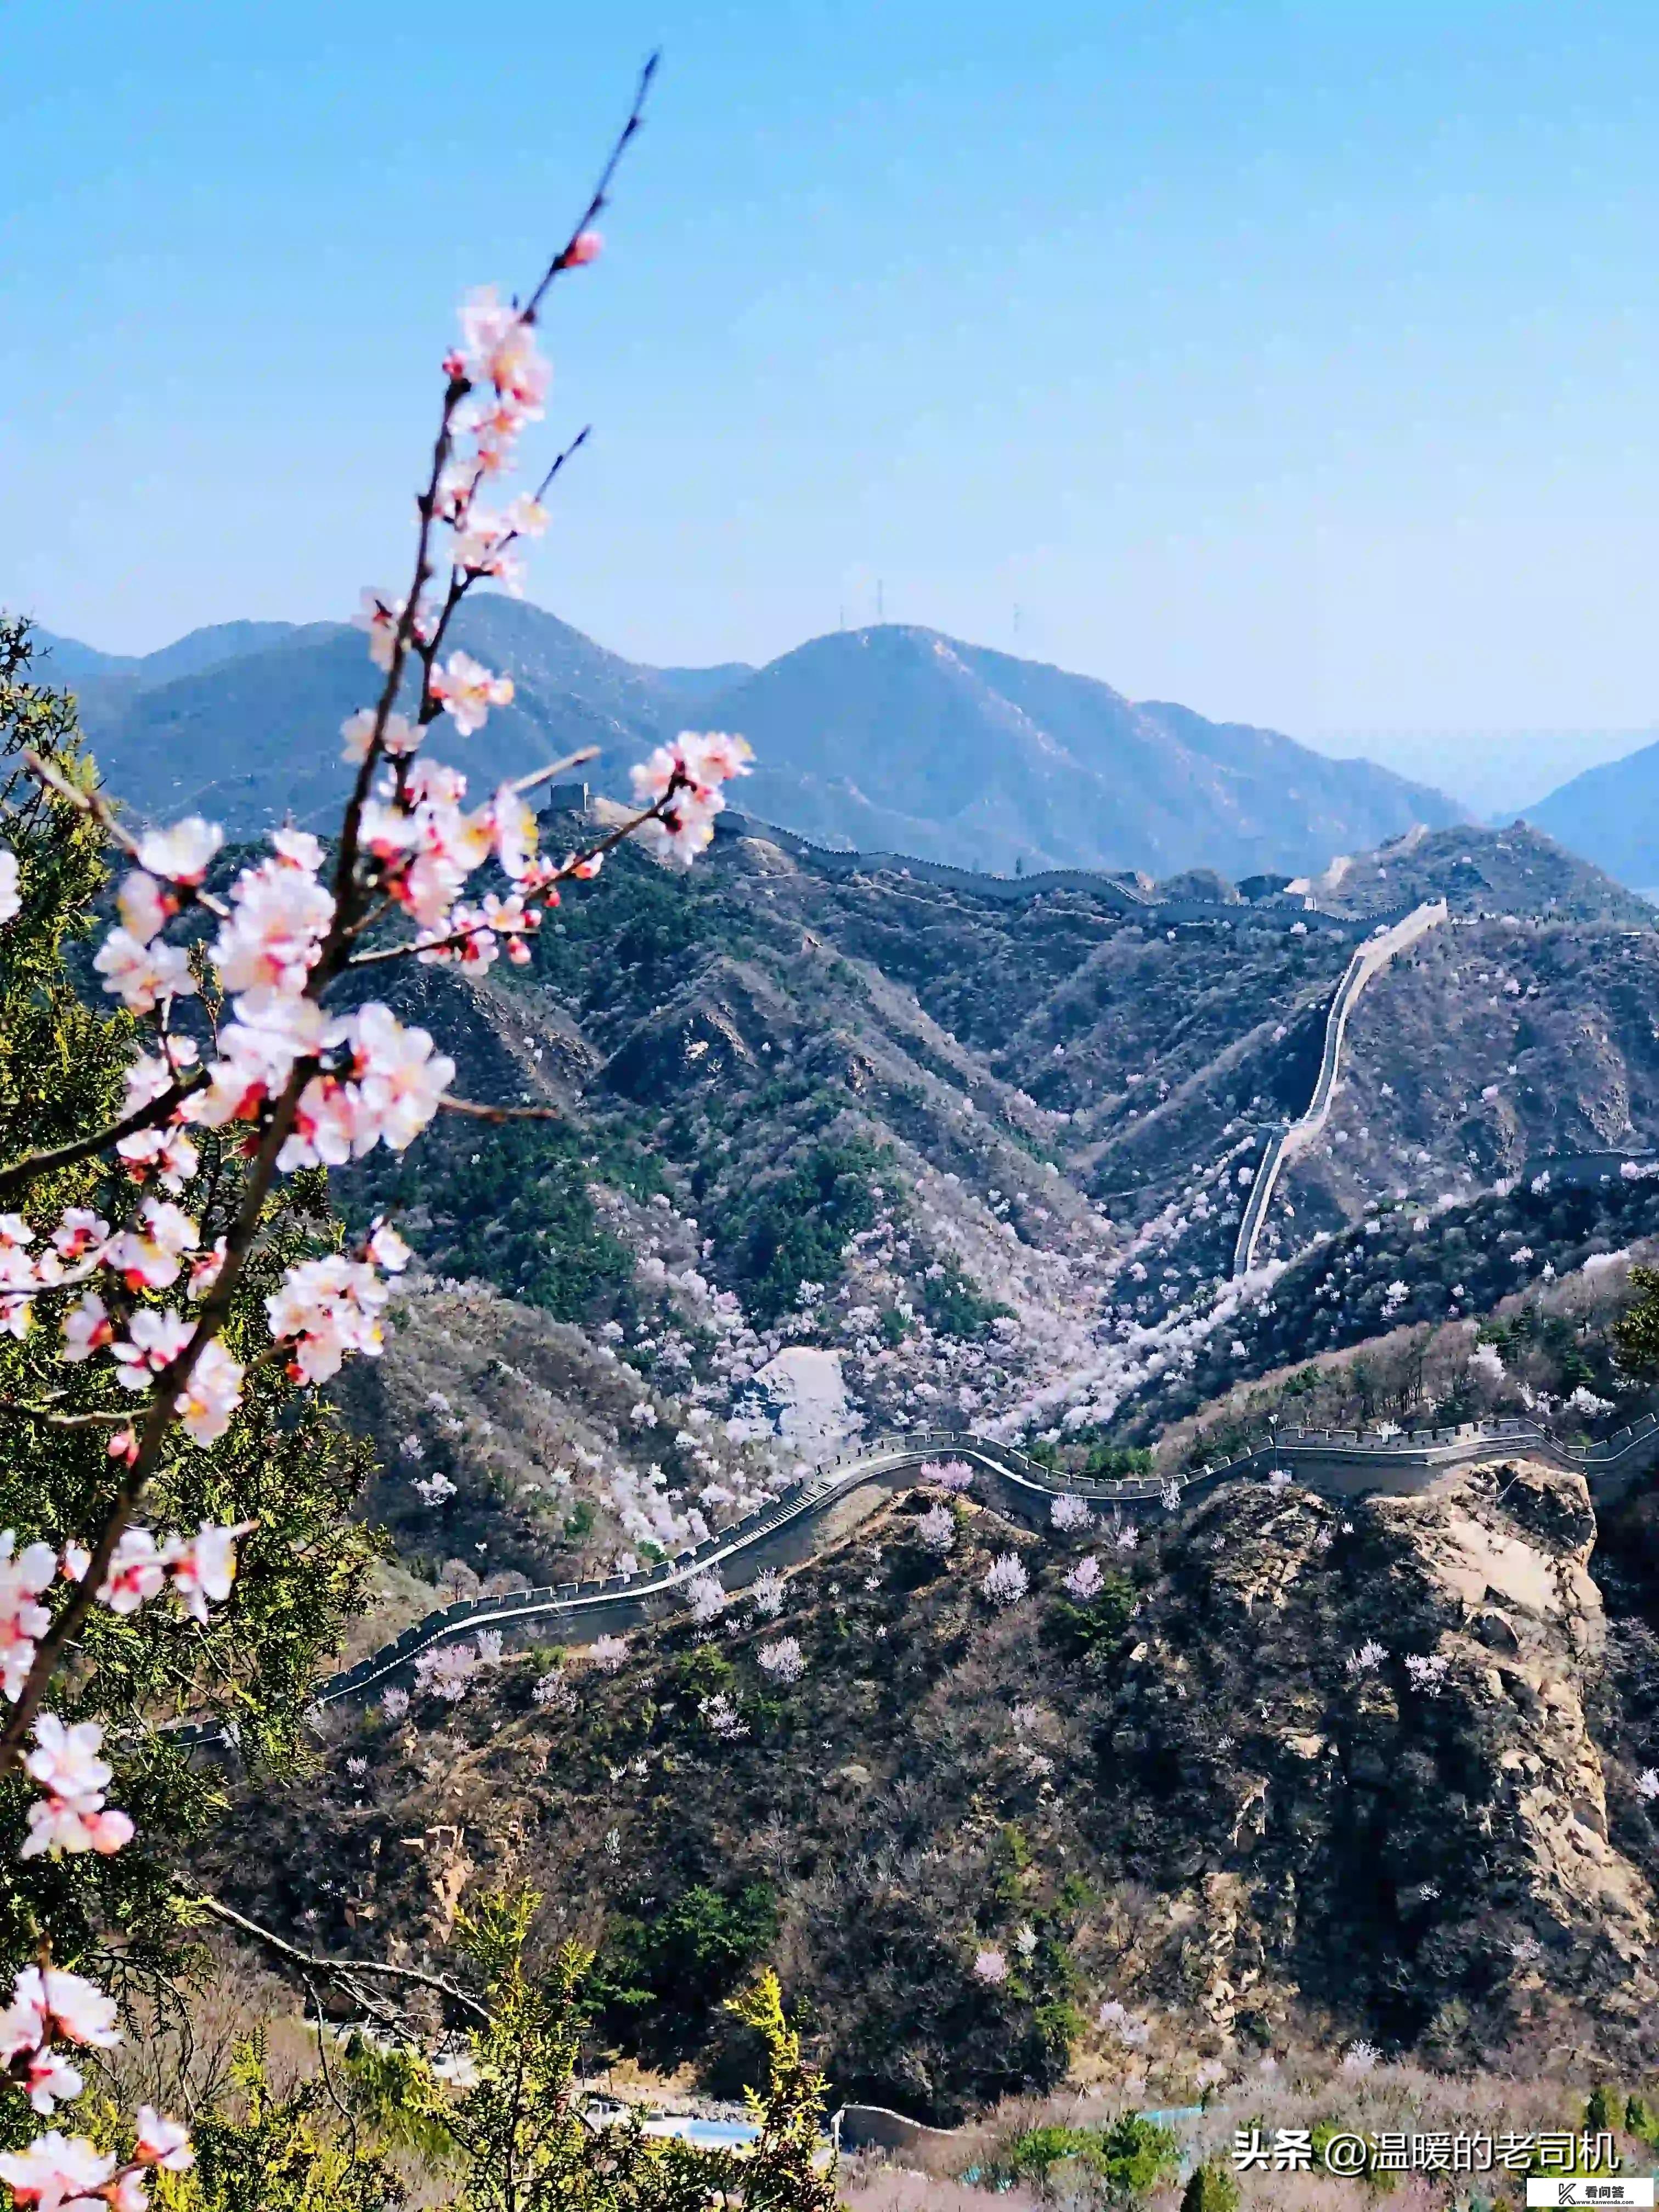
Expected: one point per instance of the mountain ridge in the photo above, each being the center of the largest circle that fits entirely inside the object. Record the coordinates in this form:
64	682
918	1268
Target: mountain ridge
1607	812
895	737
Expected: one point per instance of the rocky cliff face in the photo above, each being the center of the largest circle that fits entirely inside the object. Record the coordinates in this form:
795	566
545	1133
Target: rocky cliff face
1305	1773
1388	1801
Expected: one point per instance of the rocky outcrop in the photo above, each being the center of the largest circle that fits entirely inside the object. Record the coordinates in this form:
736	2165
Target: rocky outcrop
1365	1734
1325	1771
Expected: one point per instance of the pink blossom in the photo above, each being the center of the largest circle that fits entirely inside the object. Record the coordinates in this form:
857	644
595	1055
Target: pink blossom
65	1759
477	537
325	1127
65	2005
426	845
695	762
402	1078
142	976
705	1594
86	1328
688	774
73	1825
10	901
936	1530
499	348
143	905
513	824
456	482
298	847
587	246
272	938
52	2080
526	516
990	1965
183	853
156	1340
204	1567
80	1233
58	2174
390	1091
149	1256
1085	1581
380	614
387	1249
150	1076
22	1618
162	2142
166	1155
1006	1581
448	1671
358	731
205	1268
325	1309
467	690
461	936
783	1660
271	1031
211	1396
137	1572
510	918
15	1314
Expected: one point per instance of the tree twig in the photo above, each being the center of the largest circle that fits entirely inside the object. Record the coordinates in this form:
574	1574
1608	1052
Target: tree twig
478	1112
556	768
340	1969
94	803
43	1416
566	256
21	1172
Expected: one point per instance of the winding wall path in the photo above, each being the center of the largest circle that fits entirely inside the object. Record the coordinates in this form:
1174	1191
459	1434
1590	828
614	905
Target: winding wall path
1338	1464
1285	1144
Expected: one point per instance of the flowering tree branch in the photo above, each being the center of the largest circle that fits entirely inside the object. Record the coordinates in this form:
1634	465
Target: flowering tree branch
170	1387
283	1083
94	803
17	1178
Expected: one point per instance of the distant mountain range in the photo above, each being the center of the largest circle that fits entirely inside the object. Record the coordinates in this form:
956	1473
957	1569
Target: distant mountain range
1611	815
894	739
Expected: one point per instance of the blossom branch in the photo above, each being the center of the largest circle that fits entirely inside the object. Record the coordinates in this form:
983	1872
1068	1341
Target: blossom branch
570	255
17	1178
345	866
93	803
170	1387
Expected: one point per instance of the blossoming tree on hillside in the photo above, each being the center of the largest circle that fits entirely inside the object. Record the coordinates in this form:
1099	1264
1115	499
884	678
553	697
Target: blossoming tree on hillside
171	1284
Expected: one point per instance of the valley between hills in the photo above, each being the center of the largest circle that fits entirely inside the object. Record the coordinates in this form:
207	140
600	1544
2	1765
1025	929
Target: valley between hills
845	1151
1139	1784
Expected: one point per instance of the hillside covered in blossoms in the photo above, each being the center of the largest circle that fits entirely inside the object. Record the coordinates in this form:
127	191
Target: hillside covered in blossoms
836	1155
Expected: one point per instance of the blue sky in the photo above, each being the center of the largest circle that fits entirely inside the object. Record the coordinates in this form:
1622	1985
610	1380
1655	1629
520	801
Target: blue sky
1296	361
